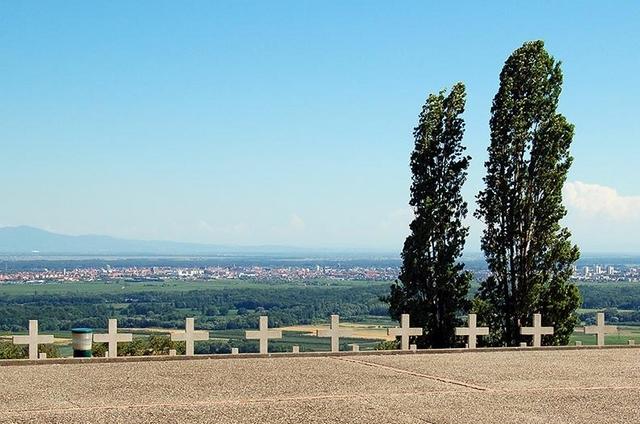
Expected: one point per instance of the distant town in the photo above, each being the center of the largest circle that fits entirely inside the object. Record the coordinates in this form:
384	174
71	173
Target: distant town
290	273
592	273
607	273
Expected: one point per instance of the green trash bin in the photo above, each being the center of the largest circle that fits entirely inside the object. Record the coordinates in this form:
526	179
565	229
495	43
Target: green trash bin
82	342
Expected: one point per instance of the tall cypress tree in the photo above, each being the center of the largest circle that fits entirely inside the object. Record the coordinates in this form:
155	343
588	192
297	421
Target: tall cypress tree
529	254
433	285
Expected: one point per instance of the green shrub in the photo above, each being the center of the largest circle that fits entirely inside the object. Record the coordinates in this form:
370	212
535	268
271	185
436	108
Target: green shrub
10	351
388	345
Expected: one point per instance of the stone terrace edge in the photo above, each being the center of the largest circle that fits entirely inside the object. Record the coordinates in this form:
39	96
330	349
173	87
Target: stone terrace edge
275	355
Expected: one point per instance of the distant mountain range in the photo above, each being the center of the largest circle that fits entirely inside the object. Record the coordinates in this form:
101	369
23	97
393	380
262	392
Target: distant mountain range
30	241
24	240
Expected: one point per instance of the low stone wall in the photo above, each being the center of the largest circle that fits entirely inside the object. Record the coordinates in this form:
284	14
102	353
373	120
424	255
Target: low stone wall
161	358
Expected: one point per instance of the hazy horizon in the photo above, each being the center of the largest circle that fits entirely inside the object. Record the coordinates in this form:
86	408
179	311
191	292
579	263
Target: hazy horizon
228	249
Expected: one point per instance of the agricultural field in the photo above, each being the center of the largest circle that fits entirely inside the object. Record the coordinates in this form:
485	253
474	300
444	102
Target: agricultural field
216	305
168	286
622	337
363	330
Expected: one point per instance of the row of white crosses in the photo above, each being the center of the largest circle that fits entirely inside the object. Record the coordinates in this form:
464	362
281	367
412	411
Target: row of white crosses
472	331
600	329
537	331
264	334
189	336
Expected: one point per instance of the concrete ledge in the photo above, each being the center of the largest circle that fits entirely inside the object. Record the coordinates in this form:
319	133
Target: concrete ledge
160	358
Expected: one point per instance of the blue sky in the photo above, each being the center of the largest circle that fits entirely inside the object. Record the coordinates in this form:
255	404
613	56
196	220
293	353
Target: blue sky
289	122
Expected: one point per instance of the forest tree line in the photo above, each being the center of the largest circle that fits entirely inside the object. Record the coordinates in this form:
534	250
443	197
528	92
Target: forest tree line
230	309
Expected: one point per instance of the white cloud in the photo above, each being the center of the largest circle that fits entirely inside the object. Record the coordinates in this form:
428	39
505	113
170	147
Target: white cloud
397	220
597	201
231	229
296	223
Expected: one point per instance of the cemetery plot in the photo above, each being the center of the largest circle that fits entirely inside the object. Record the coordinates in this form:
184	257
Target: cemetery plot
264	335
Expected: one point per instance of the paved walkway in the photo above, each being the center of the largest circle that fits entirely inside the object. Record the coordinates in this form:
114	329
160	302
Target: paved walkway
559	386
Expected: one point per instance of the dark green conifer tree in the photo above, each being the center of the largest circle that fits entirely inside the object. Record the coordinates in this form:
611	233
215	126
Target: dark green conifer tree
432	286
529	254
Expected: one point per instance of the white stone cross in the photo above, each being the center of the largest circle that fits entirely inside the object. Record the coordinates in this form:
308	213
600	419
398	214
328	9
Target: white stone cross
335	333
264	334
33	339
113	338
189	335
600	330
536	331
472	332
404	331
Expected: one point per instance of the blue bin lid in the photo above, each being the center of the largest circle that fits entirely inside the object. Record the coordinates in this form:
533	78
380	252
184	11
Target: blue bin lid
82	330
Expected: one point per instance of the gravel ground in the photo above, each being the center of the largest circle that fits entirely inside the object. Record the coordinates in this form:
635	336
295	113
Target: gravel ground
574	386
